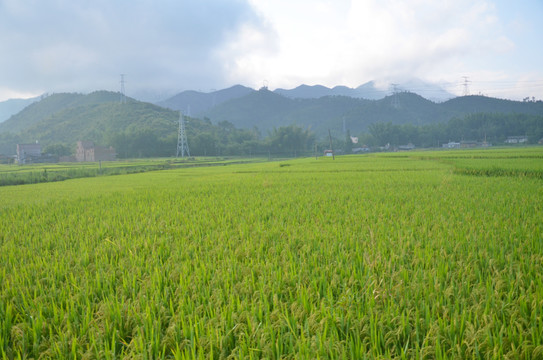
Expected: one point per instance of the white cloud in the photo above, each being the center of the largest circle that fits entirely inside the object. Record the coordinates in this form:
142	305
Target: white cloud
350	42
79	45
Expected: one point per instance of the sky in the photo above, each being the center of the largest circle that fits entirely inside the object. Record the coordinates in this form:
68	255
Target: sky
488	47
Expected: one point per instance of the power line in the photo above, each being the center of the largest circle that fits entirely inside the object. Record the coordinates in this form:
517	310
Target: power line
495	85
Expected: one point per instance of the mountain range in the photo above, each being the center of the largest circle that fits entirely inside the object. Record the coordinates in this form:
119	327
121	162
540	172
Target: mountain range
266	110
68	117
197	103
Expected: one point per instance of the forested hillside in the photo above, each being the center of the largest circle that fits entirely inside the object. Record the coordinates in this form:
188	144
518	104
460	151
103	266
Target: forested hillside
487	128
99	117
195	102
266	110
263	122
52	104
135	129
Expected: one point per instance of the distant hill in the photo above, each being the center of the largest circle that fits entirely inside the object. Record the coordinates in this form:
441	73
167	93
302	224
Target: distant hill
254	109
266	110
195	102
430	91
52	104
99	117
67	118
367	91
477	104
13	106
306	92
96	121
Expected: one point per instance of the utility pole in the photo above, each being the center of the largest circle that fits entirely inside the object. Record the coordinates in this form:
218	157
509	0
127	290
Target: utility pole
330	137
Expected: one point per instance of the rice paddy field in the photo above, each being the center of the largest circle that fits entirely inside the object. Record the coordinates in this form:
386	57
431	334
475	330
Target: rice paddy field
40	173
428	255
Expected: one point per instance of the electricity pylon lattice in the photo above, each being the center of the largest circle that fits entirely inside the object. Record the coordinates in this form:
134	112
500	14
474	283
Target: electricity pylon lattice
466	85
395	98
182	144
123	96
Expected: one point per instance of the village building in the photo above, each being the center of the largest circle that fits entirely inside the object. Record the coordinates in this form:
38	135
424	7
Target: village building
28	153
87	151
362	149
407	147
466	144
516	139
451	145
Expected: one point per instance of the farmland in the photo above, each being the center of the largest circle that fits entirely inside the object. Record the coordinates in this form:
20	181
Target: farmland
40	173
429	255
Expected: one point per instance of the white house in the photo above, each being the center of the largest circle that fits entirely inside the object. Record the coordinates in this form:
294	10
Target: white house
26	153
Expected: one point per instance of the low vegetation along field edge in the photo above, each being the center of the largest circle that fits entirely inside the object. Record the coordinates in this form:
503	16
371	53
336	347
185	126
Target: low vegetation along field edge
44	174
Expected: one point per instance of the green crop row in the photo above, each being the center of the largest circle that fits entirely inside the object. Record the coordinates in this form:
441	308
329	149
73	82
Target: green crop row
357	257
17	175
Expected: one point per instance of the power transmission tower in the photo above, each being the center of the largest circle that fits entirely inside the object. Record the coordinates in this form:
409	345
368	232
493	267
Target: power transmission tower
182	144
123	96
466	85
395	97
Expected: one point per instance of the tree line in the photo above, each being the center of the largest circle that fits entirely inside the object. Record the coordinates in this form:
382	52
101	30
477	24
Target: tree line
224	139
493	128
207	139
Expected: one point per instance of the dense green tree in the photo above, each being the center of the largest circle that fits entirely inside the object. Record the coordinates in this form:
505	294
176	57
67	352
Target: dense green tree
8	143
290	140
58	150
494	128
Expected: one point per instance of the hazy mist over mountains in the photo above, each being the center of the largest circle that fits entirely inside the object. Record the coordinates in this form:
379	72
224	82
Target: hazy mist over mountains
165	47
369	91
194	102
13	106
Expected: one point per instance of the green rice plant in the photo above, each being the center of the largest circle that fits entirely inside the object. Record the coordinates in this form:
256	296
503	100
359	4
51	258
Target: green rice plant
33	174
378	256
